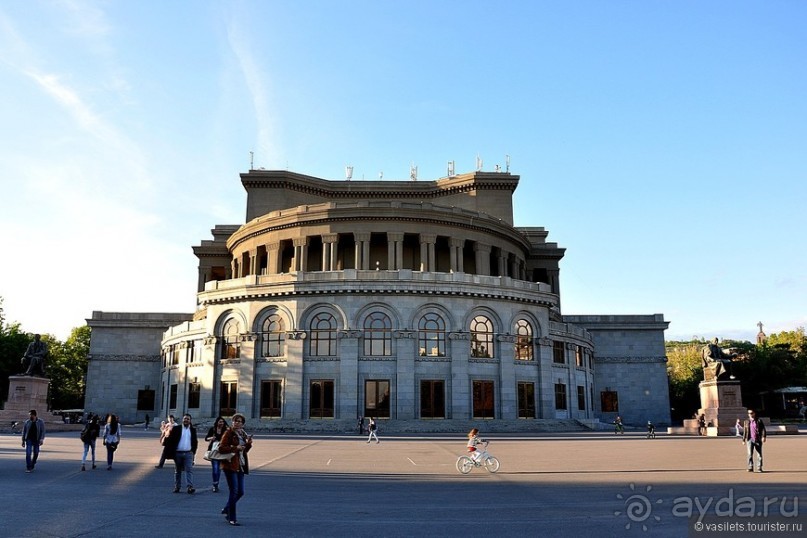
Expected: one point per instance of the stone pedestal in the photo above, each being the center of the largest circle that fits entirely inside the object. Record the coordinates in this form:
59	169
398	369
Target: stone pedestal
722	404
25	393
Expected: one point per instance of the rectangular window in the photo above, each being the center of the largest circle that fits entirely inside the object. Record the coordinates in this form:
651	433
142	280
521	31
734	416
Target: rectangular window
558	352
145	400
172	397
581	398
194	395
483	399
175	353
229	398
578	356
432	399
609	400
560	396
376	399
321	399
271	398
526	400
231	348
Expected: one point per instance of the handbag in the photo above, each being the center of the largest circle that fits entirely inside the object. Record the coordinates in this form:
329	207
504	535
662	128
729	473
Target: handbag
214	454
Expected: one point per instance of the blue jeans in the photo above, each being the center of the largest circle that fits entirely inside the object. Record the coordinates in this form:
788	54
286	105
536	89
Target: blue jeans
216	471
183	461
88	447
752	445
235	481
31	454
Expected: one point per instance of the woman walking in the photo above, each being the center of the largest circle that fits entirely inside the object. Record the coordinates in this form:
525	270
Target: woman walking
235	441
111	439
215	433
90	434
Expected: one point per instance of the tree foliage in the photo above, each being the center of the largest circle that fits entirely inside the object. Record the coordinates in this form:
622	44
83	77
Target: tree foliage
66	365
779	362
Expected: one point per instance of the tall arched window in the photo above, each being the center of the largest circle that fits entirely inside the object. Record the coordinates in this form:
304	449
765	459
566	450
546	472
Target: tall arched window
432	335
523	331
273	336
323	335
481	338
377	335
230	339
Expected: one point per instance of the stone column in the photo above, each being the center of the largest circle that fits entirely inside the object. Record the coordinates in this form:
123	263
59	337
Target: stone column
273	258
394	250
347	406
546	385
253	262
502	262
405	390
329	251
300	253
456	245
362	250
293	404
508	396
482	252
458	343
427	262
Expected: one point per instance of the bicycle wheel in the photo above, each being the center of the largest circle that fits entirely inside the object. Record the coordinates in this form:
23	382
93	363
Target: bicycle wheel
492	464
464	464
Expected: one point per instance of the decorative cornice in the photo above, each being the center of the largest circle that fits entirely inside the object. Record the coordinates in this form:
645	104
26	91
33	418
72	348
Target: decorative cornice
632	360
225	362
348	334
459	335
103	357
391	358
320	359
271	359
484	361
432	358
406	333
296	335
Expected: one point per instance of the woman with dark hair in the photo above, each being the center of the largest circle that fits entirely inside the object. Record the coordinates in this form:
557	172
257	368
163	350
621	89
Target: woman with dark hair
235	441
111	438
214	434
91	432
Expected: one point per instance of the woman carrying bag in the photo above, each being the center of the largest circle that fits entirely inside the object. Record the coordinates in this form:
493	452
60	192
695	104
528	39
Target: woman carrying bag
215	433
235	441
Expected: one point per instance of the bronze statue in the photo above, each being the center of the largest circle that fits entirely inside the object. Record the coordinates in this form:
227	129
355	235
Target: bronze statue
34	359
716	362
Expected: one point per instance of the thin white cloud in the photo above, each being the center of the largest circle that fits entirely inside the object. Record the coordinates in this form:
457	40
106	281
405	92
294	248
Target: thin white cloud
259	90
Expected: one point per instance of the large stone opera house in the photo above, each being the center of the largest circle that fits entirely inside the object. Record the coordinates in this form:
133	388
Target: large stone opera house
419	303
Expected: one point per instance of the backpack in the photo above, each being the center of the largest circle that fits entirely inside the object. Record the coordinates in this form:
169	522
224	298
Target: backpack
84	435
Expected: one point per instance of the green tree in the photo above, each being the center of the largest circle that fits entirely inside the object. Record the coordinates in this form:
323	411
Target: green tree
13	343
685	372
67	369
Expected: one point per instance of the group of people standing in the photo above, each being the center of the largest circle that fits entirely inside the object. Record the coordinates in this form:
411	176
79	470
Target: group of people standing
180	443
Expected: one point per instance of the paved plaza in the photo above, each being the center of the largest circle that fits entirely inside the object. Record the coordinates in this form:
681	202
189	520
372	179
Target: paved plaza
577	484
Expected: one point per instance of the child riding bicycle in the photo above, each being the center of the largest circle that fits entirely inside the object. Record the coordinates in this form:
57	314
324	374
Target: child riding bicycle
473	441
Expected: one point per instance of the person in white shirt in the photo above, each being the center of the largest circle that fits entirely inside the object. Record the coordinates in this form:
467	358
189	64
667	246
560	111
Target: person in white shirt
182	444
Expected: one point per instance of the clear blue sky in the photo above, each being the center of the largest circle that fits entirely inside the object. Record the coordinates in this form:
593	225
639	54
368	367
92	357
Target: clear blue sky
661	143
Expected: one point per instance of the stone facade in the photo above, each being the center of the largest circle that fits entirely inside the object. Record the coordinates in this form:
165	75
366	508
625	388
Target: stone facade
416	302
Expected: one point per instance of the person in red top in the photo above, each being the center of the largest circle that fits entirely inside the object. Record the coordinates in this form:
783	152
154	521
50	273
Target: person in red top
753	437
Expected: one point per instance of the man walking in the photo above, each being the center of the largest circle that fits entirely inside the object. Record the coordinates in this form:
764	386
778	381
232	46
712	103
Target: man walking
182	444
753	437
33	435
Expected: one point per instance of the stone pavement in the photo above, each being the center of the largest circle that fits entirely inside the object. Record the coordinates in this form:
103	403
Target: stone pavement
576	484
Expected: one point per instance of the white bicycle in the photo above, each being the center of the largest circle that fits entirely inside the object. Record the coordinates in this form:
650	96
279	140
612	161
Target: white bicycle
483	459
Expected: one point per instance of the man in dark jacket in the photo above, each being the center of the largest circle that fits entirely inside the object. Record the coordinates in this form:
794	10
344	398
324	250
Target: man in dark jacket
33	435
753	437
181	446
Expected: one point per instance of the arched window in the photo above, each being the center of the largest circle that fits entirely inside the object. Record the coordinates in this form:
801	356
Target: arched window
377	335
273	336
230	339
432	335
524	348
481	338
323	335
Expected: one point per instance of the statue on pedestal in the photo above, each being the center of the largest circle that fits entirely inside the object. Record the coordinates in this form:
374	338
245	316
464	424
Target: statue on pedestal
34	359
716	362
